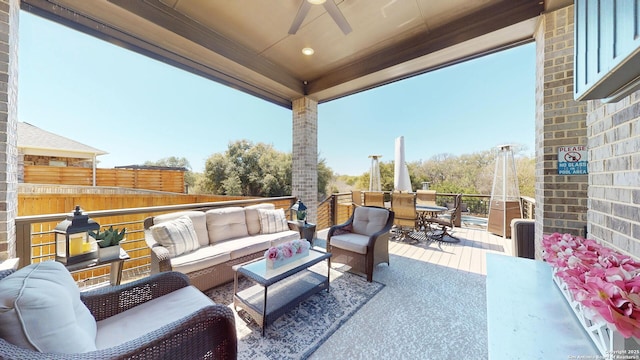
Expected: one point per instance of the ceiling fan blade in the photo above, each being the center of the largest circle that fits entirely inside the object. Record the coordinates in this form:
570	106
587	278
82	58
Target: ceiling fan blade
337	16
302	13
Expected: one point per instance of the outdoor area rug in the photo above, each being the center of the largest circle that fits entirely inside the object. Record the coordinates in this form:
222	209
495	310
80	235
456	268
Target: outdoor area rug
298	333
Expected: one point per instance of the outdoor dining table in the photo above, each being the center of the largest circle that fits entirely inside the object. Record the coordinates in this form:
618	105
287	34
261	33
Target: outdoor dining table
423	213
431	210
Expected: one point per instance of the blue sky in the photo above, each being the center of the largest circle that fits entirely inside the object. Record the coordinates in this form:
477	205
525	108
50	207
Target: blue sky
138	109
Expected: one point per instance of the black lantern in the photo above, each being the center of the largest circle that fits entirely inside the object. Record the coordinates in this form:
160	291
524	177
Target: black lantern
73	243
299	211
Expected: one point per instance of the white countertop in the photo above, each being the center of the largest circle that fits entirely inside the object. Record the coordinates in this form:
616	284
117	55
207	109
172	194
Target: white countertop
527	315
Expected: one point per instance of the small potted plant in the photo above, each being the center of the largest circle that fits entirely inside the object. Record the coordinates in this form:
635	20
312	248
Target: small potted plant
108	241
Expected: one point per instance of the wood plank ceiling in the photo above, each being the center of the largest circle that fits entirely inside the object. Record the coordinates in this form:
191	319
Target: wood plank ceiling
246	44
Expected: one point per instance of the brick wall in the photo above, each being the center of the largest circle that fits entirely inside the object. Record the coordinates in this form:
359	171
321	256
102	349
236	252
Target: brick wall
8	126
561	200
614	191
45	160
305	154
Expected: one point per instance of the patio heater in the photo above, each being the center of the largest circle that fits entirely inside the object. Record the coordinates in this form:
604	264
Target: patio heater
374	174
505	195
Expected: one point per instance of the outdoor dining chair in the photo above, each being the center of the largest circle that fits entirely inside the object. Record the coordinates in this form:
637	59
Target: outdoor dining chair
426	197
356	198
406	217
440	226
374	198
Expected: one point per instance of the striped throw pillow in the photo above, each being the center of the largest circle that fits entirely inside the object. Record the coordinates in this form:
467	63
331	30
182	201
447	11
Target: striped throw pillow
272	221
178	236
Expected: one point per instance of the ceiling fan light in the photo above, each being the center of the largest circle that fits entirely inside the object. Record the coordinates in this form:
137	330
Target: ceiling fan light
308	51
316	2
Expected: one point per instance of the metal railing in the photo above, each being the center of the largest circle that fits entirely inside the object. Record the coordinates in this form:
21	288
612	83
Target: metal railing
35	237
472	204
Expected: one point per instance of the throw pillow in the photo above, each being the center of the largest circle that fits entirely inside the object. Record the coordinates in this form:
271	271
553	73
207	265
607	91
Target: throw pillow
178	236
41	310
344	230
272	221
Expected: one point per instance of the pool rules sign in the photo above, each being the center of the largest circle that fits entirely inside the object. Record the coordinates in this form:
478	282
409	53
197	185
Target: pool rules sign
572	160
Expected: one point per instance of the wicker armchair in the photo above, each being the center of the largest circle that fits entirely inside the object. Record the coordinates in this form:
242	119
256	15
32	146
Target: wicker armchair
363	241
208	333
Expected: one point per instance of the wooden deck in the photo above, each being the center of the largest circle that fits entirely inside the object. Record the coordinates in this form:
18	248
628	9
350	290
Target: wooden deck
466	255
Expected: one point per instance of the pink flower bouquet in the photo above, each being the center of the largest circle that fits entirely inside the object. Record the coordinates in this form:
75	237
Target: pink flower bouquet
601	279
287	250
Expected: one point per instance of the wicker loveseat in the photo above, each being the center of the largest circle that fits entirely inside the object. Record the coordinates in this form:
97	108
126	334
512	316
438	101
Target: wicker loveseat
363	241
43	315
224	237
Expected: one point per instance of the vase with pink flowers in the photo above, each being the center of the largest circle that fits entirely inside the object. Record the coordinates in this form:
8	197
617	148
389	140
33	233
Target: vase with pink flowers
286	253
602	287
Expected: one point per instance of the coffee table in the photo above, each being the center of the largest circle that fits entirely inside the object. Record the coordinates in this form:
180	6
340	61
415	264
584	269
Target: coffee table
278	290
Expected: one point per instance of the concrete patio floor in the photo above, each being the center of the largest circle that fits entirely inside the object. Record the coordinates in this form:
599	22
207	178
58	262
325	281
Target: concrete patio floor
423	311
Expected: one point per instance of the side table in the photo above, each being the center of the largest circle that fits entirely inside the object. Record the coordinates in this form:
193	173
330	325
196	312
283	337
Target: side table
9	264
306	230
115	275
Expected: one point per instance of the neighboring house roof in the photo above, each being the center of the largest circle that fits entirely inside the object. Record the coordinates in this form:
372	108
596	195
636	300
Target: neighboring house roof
34	141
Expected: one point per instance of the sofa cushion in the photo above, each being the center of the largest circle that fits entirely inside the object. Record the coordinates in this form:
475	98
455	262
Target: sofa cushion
351	242
198	218
149	316
202	258
41	310
244	246
253	217
272	221
368	221
177	235
226	223
281	237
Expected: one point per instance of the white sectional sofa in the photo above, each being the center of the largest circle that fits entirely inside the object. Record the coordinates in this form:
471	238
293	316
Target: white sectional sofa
205	245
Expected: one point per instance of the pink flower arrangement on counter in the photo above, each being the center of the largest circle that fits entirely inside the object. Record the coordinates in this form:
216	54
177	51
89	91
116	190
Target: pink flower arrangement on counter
604	281
287	250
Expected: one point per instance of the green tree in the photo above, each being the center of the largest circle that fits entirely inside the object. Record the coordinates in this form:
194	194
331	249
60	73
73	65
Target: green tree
172	161
386	177
325	174
250	169
468	173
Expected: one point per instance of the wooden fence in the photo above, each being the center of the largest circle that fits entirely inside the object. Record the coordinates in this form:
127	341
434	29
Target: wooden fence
160	180
42	247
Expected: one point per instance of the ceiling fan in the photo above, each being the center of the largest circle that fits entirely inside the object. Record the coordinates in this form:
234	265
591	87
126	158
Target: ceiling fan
331	8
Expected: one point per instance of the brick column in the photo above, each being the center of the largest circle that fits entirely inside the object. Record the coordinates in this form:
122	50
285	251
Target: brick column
561	200
8	126
305	154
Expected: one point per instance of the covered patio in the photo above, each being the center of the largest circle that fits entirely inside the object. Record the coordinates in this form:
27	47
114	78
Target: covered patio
253	47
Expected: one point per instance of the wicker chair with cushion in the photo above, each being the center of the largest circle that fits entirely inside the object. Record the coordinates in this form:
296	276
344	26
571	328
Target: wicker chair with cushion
43	315
363	241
